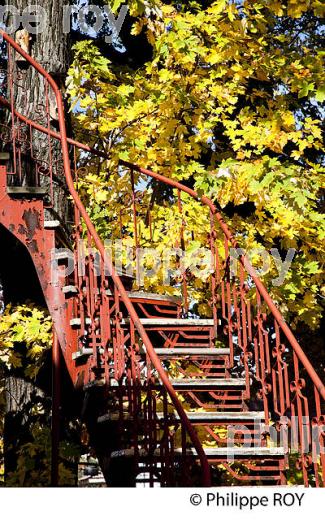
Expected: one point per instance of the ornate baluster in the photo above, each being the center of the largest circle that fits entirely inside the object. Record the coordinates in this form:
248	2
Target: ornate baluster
214	273
226	296
118	339
318	438
280	381
265	387
91	295
135	229
246	355
182	243
297	417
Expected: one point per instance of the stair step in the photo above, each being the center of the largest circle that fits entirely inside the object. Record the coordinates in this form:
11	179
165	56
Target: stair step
140	295
62	256
70	289
4	156
173	322
218	417
97	383
208	384
26	191
187	385
52	224
166	353
124	274
191	352
238	452
95	482
195	417
85	352
227	453
115	416
76	322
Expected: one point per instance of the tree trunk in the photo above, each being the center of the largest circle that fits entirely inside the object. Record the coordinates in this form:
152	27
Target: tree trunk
51	49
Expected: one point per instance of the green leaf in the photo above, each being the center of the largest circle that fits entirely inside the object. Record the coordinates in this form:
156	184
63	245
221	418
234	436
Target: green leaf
320	95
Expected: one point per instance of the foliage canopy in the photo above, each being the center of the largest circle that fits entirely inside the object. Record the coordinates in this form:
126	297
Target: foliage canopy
230	103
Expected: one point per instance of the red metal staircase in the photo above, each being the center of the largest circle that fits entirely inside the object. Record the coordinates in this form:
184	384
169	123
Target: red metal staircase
175	399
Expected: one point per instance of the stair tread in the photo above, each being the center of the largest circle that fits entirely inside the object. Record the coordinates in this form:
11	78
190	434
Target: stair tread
138	295
165	352
85	352
52	224
70	289
208	383
174	322
166	322
64	255
67	254
154	296
199	417
76	322
212	453
192	351
238	451
218	416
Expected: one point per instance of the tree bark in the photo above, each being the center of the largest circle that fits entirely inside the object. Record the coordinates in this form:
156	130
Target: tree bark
52	50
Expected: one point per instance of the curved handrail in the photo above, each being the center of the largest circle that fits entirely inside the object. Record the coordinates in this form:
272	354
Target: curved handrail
116	279
205	200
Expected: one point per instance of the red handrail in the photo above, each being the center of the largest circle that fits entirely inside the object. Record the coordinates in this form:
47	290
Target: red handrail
116	279
205	200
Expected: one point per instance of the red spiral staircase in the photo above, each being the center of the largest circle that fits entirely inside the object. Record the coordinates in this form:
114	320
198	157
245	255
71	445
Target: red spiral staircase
171	399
